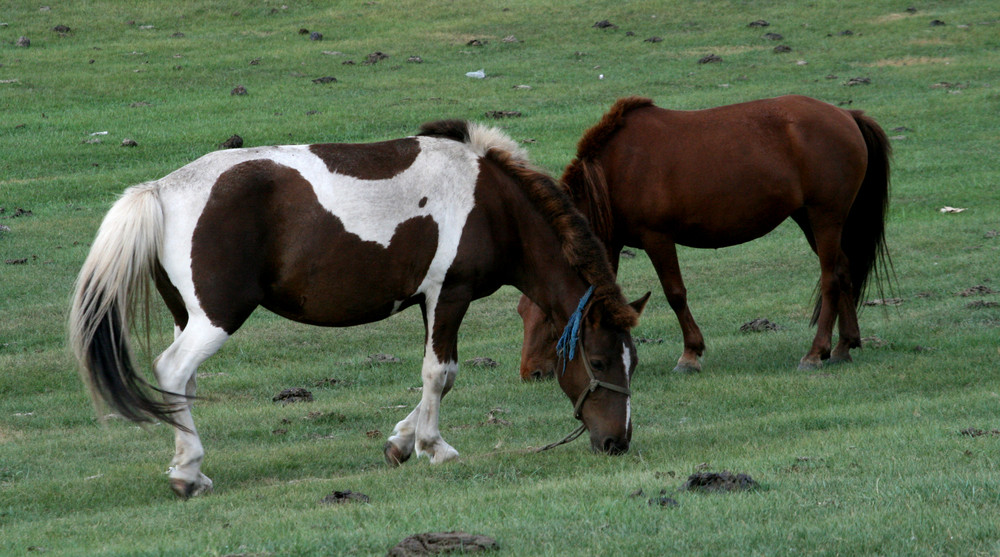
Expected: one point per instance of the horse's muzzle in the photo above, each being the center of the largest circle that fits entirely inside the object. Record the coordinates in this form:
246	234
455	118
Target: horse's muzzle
610	445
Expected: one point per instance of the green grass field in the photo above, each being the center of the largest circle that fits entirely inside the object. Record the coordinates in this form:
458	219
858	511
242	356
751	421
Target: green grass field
861	459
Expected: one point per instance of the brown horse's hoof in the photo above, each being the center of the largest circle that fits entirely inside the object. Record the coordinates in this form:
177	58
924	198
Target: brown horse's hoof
837	359
393	456
687	367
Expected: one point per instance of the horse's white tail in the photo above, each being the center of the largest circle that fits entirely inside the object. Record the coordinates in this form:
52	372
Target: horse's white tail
116	273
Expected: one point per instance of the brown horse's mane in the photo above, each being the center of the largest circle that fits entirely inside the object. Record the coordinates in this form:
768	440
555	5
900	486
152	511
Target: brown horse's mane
580	246
584	179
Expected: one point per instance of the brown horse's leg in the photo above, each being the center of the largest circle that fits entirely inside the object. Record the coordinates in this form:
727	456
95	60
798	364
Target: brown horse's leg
847	323
663	253
834	277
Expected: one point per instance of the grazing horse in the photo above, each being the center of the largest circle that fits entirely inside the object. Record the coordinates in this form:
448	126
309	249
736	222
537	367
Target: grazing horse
339	235
652	178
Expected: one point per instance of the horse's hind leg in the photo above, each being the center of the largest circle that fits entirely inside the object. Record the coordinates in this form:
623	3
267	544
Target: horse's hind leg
846	315
847	324
175	371
663	253
834	279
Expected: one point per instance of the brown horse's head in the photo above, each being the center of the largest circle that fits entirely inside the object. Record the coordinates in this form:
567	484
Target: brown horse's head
538	353
597	377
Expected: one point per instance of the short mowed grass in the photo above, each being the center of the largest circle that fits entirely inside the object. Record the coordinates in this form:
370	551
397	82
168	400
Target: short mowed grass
856	459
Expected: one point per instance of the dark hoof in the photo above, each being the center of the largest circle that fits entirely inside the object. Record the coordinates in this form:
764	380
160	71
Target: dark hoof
393	456
687	369
845	359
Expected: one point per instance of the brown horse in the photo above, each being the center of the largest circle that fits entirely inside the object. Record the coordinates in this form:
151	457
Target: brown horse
652	178
343	234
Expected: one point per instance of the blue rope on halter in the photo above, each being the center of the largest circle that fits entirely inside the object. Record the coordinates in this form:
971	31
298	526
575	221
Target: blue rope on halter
566	347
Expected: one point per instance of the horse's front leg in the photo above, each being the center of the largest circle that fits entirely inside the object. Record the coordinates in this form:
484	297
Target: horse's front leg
663	253
419	431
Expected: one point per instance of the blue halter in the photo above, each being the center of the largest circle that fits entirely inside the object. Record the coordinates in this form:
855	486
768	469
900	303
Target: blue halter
566	347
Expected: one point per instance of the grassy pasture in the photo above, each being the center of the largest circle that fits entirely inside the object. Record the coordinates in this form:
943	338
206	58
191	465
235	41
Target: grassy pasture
852	460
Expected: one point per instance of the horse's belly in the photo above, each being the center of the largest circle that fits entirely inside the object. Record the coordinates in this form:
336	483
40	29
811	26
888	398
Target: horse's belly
340	279
727	228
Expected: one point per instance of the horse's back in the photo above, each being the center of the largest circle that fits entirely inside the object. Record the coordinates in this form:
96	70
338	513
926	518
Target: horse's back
726	175
332	234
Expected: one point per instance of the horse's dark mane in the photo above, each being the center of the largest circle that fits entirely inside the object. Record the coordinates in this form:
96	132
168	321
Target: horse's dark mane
597	136
449	129
580	246
584	179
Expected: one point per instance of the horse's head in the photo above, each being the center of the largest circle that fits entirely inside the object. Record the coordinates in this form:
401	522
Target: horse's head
538	353
599	362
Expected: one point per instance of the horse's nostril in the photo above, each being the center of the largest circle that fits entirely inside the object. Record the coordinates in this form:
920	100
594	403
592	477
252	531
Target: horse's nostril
537	375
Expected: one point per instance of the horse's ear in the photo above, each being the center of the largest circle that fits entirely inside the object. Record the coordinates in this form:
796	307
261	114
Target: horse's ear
640	304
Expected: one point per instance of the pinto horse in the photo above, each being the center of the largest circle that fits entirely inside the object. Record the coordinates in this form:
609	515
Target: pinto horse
343	234
652	178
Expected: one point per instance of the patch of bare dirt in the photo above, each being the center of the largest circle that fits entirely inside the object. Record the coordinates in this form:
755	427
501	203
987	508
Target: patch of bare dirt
605	24
330	382
346	496
645	340
382	359
976	432
482	361
711	58
910	61
493	419
980	304
436	543
661	500
325	79
759	325
295	394
712	482
884	302
234	142
977	291
499	114
18	212
874	342
375	58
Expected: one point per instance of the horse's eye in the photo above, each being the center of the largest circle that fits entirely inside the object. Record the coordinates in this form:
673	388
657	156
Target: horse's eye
598	365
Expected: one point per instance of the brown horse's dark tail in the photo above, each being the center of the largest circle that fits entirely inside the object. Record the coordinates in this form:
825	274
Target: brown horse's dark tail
863	240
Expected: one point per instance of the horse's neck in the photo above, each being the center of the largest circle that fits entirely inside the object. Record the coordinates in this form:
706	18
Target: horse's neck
555	286
589	189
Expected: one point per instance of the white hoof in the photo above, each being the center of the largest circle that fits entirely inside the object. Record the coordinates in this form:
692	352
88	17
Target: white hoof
185	488
437	451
